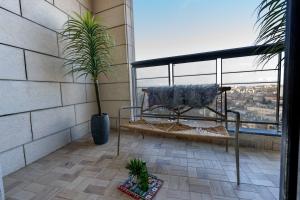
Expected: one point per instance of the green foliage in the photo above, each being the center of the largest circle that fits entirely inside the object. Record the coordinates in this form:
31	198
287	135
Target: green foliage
143	179
271	19
135	166
138	168
87	48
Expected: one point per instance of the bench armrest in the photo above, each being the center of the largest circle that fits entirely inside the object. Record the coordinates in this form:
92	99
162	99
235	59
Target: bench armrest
119	122
237	149
126	108
237	121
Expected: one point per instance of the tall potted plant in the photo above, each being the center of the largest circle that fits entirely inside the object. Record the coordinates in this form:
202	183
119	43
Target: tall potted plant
88	53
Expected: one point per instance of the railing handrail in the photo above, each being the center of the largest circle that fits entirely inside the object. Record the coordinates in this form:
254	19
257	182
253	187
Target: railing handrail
211	55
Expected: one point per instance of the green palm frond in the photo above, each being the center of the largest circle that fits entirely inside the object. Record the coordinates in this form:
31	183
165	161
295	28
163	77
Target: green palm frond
271	18
87	46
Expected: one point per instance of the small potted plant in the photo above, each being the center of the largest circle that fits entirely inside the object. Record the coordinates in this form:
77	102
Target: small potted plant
138	173
88	53
140	184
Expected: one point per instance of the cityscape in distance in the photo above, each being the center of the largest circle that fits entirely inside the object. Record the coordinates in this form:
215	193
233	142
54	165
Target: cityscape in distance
256	103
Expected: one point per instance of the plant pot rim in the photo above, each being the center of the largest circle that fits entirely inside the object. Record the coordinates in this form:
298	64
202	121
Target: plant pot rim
102	114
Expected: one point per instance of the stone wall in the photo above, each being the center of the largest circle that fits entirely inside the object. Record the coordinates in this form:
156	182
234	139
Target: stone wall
116	15
41	109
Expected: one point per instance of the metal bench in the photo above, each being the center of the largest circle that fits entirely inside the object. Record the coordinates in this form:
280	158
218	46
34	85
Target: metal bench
178	130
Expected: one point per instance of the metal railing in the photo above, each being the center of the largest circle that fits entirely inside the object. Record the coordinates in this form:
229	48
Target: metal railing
172	69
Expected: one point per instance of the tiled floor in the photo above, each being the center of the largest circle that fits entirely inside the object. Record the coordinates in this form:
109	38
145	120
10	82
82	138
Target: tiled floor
191	171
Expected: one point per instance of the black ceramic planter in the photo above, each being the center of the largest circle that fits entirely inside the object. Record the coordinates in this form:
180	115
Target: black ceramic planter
100	128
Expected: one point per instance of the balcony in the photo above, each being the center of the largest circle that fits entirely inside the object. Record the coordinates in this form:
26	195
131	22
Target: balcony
191	170
256	90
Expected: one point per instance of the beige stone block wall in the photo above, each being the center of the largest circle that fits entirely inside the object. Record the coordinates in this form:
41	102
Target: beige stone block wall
41	109
50	108
116	15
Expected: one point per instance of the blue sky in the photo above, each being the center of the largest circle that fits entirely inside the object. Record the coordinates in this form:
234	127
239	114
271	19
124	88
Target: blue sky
176	27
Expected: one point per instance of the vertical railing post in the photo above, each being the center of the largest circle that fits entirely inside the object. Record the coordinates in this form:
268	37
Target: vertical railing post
217	84
173	81
217	71
226	109
278	90
221	74
169	74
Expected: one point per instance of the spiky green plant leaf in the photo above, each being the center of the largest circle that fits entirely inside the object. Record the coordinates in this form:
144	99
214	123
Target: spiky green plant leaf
87	48
138	168
143	180
135	166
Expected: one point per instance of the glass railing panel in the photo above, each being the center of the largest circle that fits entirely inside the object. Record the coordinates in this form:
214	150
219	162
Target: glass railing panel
247	63
150	72
194	80
250	77
192	68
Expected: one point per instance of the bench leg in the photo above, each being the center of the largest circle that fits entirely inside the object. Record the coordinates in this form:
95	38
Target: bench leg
119	132
142	133
237	161
226	143
119	135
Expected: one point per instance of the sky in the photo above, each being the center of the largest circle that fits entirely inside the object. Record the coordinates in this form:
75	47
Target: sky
176	27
